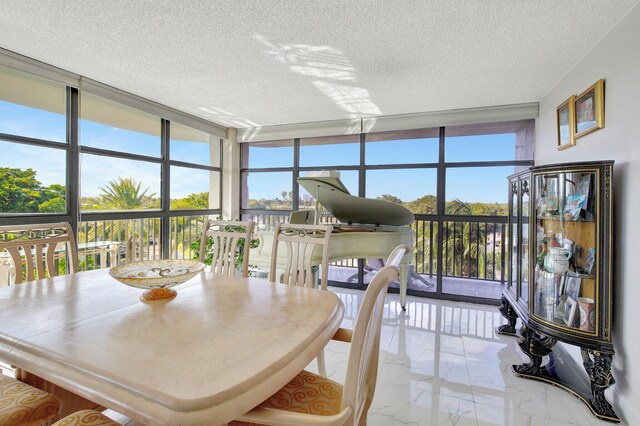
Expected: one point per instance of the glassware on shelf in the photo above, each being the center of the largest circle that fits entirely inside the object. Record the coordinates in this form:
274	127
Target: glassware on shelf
566	240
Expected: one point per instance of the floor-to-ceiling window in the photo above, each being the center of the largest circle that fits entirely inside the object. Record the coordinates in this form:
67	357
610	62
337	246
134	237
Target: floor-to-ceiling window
452	179
194	185
34	148
132	184
477	160
402	167
267	182
125	146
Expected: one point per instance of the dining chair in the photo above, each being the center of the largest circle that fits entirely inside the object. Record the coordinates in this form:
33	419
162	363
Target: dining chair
310	399
394	259
22	404
86	418
34	249
228	237
133	251
300	242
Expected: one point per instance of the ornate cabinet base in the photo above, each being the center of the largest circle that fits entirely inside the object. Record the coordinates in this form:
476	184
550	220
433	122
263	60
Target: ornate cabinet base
561	371
509	313
598	366
536	347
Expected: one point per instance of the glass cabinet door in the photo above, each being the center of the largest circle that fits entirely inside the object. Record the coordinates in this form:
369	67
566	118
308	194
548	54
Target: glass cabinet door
524	243
565	286
513	235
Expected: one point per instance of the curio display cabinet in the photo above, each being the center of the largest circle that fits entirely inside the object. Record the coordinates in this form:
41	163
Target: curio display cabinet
560	278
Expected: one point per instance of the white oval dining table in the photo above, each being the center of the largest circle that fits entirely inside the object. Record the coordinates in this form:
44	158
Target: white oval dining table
221	347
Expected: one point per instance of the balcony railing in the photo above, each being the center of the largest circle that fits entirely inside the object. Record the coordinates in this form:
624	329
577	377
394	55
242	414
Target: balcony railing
105	243
472	247
267	221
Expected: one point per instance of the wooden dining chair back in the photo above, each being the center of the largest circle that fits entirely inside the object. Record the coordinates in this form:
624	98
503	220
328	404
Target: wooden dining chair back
362	367
310	399
228	237
301	243
35	249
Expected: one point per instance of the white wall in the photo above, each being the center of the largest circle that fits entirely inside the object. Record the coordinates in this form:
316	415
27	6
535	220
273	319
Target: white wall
230	176
616	58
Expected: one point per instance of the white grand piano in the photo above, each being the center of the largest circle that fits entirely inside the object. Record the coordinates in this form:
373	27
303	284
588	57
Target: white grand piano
367	228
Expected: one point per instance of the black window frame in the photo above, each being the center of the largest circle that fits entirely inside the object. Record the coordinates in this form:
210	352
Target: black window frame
73	215
440	217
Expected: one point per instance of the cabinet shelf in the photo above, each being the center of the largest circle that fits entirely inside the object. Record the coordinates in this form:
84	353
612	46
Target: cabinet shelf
571	274
559	219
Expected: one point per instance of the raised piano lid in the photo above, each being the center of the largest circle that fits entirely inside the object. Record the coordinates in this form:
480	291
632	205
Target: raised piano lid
331	193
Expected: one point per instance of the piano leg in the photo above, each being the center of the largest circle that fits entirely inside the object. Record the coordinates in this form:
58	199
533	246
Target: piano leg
404	272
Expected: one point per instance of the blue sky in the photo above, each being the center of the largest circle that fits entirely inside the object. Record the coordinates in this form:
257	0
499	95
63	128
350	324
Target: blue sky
486	184
479	184
96	171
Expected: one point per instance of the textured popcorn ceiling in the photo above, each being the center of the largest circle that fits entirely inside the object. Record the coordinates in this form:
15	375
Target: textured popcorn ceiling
245	63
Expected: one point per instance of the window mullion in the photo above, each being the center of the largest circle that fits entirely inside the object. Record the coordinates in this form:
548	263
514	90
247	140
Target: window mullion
295	188
165	185
73	159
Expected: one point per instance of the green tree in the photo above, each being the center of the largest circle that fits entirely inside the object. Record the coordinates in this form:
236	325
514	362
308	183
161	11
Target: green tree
92	203
489	209
20	191
121	194
390	198
260	204
125	194
191	201
458	207
53	199
464	243
427	204
53	205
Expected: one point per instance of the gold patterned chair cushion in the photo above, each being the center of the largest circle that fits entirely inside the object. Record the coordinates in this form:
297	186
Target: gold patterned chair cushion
307	393
86	418
22	404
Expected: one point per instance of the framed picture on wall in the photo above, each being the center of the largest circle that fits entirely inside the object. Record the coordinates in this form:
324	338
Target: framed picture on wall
564	119
589	110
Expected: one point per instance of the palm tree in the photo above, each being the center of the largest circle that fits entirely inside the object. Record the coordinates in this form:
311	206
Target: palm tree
464	245
426	250
124	194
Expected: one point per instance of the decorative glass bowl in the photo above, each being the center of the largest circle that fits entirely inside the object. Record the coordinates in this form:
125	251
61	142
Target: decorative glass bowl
156	276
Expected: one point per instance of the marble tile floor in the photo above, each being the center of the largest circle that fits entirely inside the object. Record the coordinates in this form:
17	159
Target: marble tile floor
441	363
450	285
